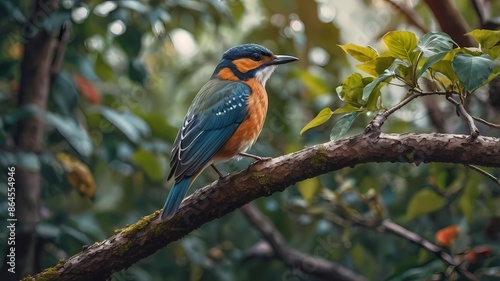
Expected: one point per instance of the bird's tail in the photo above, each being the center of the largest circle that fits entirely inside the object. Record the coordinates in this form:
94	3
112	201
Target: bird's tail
175	197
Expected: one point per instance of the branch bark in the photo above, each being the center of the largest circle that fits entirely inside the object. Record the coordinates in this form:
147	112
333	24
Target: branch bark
264	178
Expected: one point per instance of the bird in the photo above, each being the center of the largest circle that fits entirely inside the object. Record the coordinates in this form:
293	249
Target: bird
224	119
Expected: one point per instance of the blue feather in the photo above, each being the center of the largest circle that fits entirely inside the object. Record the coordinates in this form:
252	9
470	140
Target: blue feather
175	197
215	114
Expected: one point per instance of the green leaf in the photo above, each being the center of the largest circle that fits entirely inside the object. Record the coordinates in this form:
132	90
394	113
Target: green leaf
28	160
401	44
434	43
352	89
11	10
376	66
346	109
360	53
343	125
351	93
373	100
64	93
472	71
137	70
159	127
308	188
315	84
367	91
430	62
444	67
130	125
321	118
149	163
469	199
364	258
20	113
494	52
72	131
434	46
424	202
53	21
487	38
84	66
9	68
102	69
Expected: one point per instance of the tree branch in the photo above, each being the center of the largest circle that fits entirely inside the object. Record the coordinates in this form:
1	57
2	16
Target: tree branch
474	131
451	21
400	231
375	125
306	264
482	9
264	178
493	125
410	14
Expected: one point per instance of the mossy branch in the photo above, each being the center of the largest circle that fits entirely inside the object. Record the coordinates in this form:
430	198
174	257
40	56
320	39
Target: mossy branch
137	241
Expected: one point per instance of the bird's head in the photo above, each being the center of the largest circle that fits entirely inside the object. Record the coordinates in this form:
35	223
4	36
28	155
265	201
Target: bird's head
248	61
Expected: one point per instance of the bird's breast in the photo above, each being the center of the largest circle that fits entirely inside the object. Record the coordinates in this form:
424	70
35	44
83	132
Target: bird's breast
249	130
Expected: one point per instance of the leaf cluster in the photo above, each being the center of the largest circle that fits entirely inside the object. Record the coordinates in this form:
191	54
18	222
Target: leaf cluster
409	62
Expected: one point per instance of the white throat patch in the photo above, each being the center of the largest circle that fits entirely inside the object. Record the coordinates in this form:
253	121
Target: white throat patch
264	74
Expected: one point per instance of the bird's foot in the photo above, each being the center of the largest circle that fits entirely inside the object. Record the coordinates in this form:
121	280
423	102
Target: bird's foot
217	171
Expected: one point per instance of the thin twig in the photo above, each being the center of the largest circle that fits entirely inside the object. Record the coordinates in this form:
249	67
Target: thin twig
307	264
400	231
486	122
474	131
484	173
481	8
60	49
410	14
451	21
377	122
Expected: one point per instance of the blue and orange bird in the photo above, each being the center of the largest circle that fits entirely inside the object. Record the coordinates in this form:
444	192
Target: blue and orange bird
224	119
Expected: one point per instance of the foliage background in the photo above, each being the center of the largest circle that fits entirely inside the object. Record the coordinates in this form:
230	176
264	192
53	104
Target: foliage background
130	72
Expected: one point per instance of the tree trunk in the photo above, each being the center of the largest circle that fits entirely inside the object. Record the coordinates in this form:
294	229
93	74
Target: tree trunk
33	90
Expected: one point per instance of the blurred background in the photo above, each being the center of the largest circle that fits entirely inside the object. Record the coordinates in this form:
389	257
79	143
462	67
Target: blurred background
128	74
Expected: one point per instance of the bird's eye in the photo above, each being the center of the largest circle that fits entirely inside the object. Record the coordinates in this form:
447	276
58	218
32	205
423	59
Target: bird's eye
256	56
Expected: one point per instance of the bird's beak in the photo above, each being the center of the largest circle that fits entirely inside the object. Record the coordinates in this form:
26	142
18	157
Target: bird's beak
281	59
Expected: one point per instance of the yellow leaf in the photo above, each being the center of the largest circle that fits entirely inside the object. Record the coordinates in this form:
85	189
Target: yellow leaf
16	50
401	44
321	118
78	174
487	38
308	189
424	202
360	53
377	66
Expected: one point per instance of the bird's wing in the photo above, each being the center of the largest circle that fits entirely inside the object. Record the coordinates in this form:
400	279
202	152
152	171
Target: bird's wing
215	114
